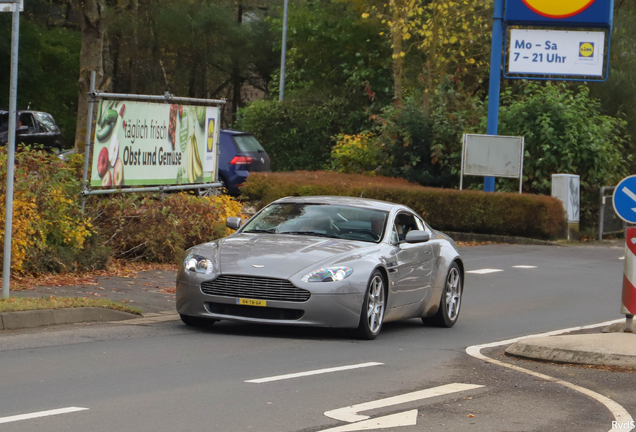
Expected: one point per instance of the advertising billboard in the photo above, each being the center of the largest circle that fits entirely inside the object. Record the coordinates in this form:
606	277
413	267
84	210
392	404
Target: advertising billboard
146	143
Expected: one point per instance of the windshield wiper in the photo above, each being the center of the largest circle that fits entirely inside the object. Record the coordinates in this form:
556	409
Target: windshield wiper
267	231
311	233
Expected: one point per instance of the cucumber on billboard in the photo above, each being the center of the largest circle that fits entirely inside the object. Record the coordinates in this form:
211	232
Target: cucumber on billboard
145	143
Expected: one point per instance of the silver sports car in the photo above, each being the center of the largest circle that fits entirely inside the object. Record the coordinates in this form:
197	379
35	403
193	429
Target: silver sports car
324	261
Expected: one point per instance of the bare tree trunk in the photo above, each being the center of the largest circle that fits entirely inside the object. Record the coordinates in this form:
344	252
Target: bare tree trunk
237	81
90	60
134	63
398	60
430	69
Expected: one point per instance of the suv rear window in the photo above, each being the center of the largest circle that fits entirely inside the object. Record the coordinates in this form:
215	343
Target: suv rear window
247	144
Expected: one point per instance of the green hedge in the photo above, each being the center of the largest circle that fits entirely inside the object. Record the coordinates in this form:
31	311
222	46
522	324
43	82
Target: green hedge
524	215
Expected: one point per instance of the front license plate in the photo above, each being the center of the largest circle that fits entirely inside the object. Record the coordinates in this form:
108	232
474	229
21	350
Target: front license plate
251	302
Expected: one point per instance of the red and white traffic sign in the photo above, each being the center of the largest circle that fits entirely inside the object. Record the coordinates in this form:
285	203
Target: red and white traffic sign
629	274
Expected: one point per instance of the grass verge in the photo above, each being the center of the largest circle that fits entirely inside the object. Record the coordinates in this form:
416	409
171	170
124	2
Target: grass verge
15	304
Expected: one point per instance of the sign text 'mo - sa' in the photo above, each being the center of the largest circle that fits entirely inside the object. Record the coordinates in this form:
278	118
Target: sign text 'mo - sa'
582	13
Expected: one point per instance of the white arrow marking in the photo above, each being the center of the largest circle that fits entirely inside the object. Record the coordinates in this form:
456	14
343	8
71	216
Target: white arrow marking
630	194
350	413
408	418
40	414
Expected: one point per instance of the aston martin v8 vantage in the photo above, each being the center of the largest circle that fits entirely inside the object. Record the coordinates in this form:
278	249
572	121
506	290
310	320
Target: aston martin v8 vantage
324	261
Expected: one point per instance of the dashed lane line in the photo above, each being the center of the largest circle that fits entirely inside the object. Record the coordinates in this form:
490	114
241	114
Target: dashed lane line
40	414
620	414
524	267
484	271
313	372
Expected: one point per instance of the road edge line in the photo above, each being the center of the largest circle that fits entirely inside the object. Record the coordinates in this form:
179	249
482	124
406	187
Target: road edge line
620	414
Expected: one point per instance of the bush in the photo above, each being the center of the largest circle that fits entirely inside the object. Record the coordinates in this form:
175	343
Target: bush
445	209
297	133
49	229
565	133
145	227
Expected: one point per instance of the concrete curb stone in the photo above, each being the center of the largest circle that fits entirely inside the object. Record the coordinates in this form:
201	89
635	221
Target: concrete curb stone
47	317
608	349
472	237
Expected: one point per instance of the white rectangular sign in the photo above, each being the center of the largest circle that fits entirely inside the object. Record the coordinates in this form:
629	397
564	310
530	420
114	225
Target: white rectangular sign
8	7
491	155
555	52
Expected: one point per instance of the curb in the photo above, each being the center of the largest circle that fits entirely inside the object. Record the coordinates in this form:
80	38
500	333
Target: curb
608	349
473	237
48	317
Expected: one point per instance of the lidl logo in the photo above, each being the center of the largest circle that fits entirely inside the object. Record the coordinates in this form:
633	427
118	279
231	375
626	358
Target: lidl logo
558	8
586	49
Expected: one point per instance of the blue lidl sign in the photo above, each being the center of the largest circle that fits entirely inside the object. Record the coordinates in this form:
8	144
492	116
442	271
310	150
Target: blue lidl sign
562	13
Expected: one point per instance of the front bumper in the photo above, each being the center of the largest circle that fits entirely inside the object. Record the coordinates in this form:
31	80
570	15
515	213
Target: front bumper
322	310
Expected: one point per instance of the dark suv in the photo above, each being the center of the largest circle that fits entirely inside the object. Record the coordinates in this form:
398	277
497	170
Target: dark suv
241	154
34	127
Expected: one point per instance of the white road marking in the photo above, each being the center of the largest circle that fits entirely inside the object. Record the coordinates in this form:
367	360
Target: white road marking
314	372
484	271
620	414
407	418
630	194
40	414
622	258
524	267
350	413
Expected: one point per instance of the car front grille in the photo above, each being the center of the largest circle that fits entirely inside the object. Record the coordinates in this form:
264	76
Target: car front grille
268	313
260	288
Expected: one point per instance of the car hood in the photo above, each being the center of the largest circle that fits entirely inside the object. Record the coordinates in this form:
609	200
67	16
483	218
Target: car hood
282	256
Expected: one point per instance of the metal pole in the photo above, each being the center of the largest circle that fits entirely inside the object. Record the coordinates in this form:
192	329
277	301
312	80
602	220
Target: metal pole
13	95
601	215
283	54
629	323
495	80
89	134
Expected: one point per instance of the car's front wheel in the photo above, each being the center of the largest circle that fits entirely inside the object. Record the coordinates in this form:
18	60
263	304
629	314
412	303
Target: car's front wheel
196	321
451	300
373	306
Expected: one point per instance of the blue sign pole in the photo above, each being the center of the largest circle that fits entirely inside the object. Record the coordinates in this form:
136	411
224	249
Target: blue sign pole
495	80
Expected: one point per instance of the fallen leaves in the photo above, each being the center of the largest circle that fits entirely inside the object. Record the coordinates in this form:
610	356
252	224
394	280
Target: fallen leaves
116	268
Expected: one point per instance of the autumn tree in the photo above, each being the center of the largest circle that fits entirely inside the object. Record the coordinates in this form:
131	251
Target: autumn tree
452	37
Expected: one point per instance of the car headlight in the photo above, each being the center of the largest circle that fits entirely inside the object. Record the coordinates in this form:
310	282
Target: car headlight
329	274
198	264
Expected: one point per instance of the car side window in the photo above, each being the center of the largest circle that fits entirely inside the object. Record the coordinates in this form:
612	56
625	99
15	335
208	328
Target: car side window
395	238
27	120
404	223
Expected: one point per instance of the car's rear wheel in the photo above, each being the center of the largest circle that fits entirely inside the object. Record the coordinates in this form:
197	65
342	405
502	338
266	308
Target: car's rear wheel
196	321
451	301
372	314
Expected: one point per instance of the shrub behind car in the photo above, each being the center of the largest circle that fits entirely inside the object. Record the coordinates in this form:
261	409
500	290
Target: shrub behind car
535	216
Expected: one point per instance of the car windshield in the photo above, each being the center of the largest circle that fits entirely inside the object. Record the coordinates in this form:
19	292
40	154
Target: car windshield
46	122
321	220
247	144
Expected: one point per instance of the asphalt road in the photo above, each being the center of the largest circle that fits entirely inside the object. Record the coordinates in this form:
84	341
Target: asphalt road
171	377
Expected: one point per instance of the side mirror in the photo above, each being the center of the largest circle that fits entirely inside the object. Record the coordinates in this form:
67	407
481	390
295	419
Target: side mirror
417	237
233	223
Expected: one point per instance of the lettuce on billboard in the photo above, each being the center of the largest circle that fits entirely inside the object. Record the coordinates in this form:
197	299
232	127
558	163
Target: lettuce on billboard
145	143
